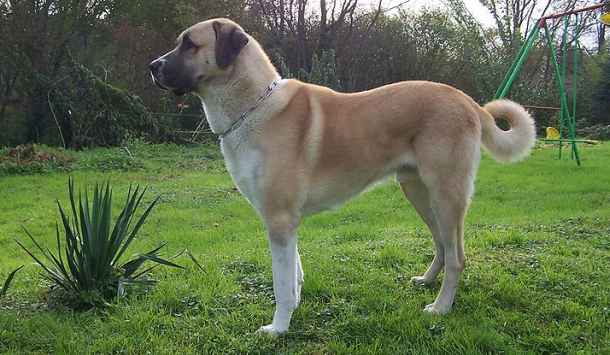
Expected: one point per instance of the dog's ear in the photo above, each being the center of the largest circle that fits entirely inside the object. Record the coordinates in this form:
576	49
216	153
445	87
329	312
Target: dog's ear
230	39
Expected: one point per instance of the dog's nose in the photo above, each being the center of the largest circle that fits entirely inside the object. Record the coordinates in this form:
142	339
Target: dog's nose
155	65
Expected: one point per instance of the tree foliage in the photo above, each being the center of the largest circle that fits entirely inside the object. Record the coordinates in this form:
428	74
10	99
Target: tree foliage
601	97
79	67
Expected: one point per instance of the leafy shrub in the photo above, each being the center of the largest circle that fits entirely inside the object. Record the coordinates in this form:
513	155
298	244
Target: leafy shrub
88	265
91	112
323	70
104	159
600	131
33	158
40	159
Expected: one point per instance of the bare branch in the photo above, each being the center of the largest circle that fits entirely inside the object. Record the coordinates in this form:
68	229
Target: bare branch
375	16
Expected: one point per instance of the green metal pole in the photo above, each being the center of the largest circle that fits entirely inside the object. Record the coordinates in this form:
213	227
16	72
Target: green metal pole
564	120
575	64
575	81
515	68
576	50
560	83
510	70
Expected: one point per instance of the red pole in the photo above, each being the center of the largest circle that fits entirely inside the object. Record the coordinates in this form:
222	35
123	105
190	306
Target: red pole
542	22
575	11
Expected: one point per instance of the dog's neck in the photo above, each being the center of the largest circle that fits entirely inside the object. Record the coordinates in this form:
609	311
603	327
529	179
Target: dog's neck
225	99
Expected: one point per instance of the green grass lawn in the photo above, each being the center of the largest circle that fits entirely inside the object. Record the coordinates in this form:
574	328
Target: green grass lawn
537	276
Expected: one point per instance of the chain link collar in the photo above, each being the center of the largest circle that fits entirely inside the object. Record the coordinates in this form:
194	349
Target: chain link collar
268	91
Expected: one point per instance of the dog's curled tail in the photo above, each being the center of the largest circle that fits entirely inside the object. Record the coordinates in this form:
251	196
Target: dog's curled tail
514	144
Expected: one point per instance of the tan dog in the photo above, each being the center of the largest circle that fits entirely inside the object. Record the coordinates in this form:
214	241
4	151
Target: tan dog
294	149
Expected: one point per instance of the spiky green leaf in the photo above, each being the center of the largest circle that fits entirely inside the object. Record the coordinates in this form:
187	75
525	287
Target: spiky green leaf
8	281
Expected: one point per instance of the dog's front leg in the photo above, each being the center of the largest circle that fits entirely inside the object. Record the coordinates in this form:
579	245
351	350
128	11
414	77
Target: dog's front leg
284	260
300	277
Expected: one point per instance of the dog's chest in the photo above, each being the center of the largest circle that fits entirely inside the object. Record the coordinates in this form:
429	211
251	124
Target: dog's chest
244	164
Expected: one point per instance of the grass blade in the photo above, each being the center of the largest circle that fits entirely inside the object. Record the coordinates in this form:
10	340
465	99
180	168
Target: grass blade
194	260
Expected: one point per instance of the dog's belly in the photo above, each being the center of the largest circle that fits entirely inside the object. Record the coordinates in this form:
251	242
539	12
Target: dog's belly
331	193
334	189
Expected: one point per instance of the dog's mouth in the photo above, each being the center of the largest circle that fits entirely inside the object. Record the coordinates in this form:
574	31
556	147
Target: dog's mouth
176	91
180	92
157	82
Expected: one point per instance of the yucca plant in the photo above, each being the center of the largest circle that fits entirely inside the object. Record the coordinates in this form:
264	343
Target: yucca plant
88	262
7	282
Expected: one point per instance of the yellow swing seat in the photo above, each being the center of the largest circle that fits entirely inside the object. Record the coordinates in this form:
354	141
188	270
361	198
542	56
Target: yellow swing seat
552	133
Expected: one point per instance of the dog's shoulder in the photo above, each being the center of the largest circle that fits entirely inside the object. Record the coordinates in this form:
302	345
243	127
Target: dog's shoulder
292	118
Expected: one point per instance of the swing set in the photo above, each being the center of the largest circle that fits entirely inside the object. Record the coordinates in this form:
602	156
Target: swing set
567	114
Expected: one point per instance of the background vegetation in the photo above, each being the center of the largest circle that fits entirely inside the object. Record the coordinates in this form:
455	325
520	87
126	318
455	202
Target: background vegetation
74	72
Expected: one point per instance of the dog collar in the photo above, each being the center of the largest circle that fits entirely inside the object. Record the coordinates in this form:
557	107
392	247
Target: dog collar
242	117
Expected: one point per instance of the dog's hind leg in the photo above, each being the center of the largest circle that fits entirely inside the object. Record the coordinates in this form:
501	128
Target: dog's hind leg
417	193
448	174
450	182
450	216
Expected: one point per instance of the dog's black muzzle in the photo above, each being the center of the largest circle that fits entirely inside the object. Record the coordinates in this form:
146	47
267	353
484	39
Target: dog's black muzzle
155	68
159	76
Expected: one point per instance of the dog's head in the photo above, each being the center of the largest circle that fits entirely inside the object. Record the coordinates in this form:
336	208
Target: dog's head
203	52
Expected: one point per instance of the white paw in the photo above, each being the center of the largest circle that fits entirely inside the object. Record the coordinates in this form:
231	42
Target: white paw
432	308
271	330
421	281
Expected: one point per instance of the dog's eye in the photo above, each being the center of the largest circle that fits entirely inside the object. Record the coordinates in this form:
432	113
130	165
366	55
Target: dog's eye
187	43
